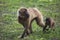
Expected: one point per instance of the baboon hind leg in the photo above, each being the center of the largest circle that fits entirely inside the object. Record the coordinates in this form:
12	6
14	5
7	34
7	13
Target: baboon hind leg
40	23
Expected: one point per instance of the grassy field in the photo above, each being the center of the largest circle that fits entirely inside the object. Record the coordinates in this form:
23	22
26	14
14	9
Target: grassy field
10	29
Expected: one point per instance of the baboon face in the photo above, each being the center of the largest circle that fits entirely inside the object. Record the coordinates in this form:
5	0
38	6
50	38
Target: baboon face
23	13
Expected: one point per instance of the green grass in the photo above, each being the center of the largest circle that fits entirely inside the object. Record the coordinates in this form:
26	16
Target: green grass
10	29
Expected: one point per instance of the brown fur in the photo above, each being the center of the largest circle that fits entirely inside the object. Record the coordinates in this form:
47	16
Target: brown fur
49	22
26	17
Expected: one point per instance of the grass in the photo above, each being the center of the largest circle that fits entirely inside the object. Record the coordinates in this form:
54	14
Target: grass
10	29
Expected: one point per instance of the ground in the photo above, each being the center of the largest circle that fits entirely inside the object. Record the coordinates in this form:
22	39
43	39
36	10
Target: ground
10	29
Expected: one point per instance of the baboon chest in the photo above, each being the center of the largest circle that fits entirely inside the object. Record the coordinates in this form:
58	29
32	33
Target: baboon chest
21	20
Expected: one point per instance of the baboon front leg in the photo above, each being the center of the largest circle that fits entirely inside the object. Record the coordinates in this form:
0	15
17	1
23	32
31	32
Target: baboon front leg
23	33
31	26
26	31
30	29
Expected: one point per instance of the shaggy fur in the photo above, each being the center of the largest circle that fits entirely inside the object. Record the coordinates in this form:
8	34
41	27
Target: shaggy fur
26	17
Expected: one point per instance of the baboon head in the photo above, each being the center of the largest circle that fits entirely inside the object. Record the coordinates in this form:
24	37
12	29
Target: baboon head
23	13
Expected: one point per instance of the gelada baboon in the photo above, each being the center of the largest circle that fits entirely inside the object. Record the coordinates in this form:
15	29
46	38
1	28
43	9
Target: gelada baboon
49	23
26	17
